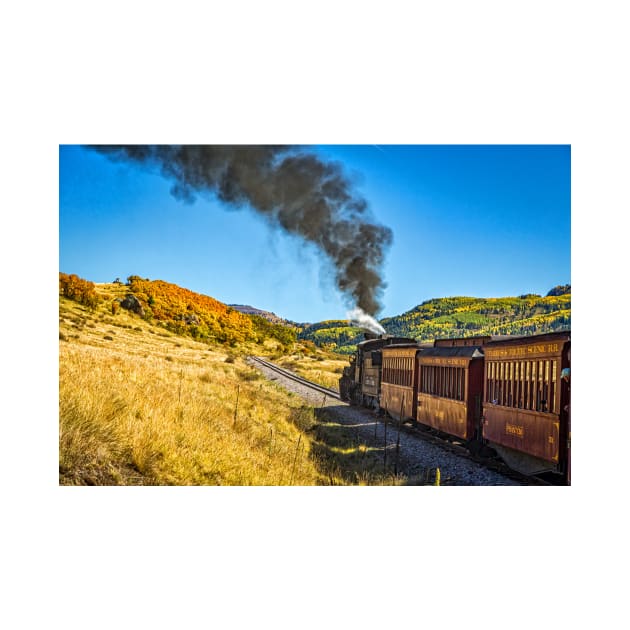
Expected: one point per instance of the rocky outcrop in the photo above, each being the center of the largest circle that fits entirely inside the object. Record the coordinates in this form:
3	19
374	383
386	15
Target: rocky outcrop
132	303
189	318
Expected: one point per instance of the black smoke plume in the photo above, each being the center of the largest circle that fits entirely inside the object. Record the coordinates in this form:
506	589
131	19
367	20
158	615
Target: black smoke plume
294	189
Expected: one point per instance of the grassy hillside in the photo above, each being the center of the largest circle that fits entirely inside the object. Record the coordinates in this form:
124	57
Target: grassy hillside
334	335
457	317
199	316
140	404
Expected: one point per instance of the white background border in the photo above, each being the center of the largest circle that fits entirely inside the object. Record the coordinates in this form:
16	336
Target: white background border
328	72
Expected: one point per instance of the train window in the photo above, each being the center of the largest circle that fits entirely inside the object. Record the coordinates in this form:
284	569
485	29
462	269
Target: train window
498	388
501	382
546	387
515	384
446	382
509	368
458	383
552	389
539	389
529	378
510	393
454	383
533	387
536	380
526	404
489	388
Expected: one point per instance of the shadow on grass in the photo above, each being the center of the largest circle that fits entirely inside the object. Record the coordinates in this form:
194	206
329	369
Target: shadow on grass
346	454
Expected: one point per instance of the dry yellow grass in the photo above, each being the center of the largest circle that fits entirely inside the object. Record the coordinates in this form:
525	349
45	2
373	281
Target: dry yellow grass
140	407
321	367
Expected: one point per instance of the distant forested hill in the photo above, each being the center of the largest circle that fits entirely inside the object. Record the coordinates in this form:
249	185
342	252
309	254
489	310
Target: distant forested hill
459	317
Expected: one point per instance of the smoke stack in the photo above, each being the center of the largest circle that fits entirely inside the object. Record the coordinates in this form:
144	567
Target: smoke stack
296	191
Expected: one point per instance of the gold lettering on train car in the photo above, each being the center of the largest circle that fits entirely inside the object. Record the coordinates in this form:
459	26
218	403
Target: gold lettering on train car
551	440
534	349
514	429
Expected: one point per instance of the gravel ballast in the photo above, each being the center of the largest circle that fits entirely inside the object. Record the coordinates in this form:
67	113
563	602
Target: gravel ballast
416	456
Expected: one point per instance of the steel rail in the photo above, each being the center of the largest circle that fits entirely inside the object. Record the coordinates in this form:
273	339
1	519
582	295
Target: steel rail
320	388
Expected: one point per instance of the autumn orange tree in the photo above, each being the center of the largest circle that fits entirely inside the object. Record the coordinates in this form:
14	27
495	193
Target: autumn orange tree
78	289
185	312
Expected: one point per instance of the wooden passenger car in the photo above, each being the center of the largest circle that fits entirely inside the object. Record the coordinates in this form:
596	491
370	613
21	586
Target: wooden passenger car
450	387
399	380
526	401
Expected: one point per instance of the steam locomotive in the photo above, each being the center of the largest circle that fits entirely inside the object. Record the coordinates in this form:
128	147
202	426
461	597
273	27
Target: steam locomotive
503	395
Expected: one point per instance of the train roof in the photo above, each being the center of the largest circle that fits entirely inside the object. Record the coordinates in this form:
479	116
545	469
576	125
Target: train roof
475	340
471	352
563	335
379	342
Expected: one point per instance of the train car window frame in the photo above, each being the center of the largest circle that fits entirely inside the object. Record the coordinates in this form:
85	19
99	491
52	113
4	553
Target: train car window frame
531	385
554	389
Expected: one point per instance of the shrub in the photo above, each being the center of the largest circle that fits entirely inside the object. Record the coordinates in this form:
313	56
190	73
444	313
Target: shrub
79	290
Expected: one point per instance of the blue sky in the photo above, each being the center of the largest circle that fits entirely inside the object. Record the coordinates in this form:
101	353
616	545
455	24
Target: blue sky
484	221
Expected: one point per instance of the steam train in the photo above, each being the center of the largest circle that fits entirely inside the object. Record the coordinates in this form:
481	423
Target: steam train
508	396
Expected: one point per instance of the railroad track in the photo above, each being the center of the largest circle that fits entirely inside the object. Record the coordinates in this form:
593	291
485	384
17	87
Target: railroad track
298	379
424	434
